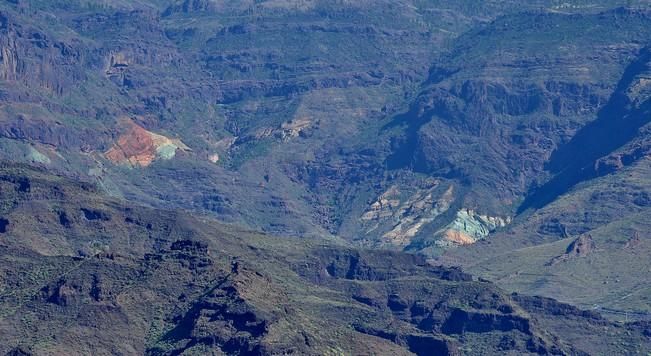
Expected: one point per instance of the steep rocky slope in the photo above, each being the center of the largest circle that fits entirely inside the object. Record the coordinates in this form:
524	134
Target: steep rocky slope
86	274
475	129
282	102
232	81
599	189
499	111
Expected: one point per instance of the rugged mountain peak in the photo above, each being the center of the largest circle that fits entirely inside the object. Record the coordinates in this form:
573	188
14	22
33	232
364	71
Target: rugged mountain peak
582	246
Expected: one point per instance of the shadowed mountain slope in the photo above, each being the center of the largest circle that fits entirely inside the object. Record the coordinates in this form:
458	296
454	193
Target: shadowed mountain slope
600	191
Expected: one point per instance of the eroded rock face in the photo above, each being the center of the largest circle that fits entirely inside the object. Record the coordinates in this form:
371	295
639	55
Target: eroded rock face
404	217
411	215
582	246
30	56
418	211
222	320
468	227
117	69
138	147
384	206
40	129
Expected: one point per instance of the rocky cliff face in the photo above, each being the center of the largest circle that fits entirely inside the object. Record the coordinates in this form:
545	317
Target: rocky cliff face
29	56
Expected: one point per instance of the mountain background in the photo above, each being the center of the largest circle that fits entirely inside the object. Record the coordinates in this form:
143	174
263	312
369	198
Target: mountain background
507	138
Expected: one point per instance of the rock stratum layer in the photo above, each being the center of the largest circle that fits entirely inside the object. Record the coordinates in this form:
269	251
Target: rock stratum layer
139	147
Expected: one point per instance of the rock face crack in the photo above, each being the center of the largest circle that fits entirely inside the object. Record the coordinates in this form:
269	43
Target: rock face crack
3	225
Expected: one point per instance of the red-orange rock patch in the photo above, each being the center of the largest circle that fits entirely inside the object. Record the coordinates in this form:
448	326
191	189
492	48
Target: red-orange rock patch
458	237
139	147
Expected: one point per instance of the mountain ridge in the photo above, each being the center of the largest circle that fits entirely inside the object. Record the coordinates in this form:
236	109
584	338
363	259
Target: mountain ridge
169	283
